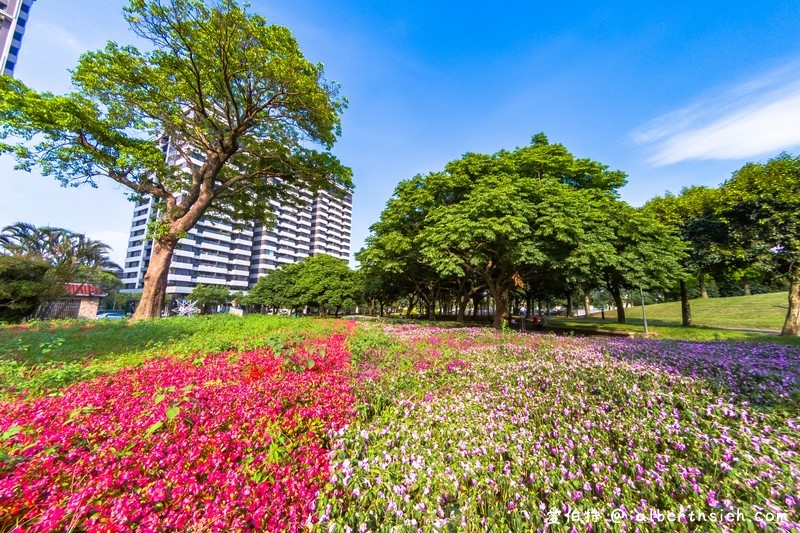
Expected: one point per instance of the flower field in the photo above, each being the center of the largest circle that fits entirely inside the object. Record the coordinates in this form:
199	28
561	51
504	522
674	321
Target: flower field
226	442
561	434
339	427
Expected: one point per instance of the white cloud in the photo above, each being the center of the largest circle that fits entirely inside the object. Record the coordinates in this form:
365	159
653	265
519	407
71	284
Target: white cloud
754	118
61	37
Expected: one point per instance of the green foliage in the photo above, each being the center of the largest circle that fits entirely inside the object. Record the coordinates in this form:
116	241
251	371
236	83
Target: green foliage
41	357
272	290
535	220
693	216
24	283
72	256
210	295
760	204
326	282
319	281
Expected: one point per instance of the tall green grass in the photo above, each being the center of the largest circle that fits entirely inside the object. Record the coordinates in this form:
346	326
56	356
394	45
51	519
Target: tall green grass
45	356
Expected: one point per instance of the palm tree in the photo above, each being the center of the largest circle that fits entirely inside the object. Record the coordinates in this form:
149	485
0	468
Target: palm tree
58	246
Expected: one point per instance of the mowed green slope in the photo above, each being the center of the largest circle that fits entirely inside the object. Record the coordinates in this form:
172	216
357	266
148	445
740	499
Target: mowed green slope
759	311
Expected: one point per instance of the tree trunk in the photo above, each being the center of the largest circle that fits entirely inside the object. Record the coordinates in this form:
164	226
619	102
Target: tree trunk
462	309
686	310
371	306
702	281
380	303
746	283
587	304
501	308
569	305
616	293
411	302
155	280
792	323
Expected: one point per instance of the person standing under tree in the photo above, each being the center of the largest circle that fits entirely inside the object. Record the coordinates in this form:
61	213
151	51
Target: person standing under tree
522	313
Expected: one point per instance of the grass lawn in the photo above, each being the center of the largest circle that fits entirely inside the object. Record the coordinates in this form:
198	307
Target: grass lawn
759	311
37	358
710	317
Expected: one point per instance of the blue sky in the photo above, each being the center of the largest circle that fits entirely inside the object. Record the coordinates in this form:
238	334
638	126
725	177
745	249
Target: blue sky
674	94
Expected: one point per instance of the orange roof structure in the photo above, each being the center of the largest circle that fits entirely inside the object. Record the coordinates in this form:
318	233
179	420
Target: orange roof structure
84	289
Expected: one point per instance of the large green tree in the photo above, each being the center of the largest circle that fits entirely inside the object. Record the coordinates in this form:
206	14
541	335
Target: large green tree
693	216
392	248
238	102
25	282
487	221
761	203
210	295
274	290
644	254
327	283
320	281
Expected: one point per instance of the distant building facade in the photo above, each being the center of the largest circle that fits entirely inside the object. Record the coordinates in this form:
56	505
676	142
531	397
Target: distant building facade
236	255
80	300
13	19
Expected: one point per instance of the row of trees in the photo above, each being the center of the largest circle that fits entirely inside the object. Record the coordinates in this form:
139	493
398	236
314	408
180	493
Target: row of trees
538	224
320	284
747	229
36	262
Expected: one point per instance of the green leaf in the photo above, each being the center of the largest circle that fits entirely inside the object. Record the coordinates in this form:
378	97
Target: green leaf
10	432
172	412
159	398
153	428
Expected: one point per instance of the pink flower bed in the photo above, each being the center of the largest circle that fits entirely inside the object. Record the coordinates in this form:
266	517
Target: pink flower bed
235	442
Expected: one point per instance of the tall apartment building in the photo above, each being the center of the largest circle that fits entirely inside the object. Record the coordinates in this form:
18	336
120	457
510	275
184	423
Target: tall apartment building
217	253
13	18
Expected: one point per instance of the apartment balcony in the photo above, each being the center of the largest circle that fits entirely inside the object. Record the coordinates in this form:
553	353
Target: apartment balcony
216	247
206	280
213	258
176	278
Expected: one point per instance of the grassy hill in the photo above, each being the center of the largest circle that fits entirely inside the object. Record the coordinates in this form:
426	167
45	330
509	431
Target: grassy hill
759	311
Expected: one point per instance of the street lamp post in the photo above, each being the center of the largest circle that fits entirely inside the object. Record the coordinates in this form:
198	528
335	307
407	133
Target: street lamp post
644	315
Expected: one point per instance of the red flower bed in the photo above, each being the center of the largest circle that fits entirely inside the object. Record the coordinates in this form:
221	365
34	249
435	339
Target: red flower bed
233	442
